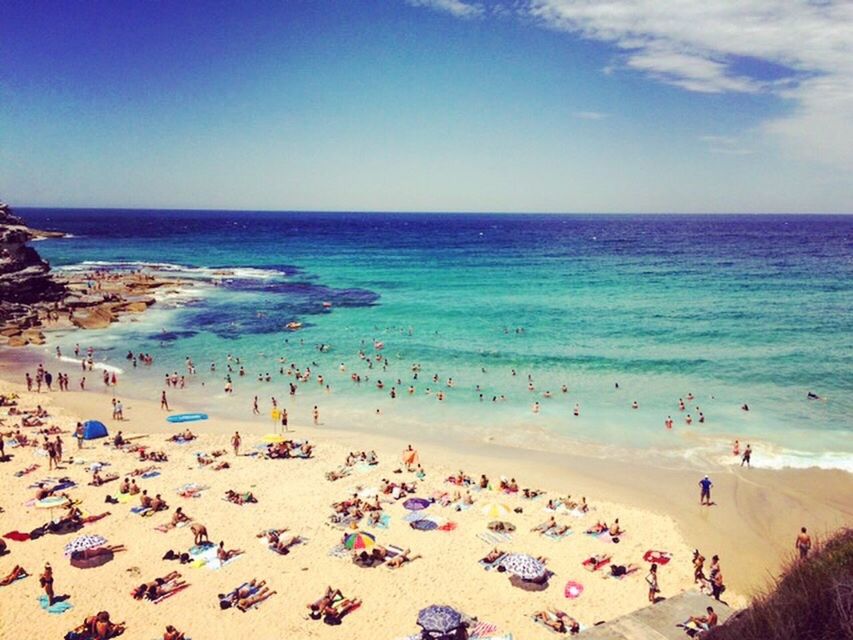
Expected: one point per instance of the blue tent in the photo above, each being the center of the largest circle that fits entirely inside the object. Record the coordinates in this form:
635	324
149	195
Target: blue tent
93	429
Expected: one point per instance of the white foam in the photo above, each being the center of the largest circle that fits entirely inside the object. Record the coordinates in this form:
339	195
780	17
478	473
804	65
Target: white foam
102	366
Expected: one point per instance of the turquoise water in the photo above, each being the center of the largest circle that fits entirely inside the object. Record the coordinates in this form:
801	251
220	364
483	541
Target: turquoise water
735	309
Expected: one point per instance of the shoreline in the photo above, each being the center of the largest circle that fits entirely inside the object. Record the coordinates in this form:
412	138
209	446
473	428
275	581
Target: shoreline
752	525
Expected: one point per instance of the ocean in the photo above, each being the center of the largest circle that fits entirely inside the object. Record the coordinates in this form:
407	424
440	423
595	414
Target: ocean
730	309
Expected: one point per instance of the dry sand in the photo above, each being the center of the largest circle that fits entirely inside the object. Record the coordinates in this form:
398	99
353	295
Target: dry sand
752	525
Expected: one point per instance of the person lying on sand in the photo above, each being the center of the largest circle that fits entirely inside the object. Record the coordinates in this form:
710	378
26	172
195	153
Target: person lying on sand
531	493
493	556
244	604
399	560
271	534
98	479
317	608
559	621
594	563
159	587
16	573
87	554
224	555
283	546
173	634
598	527
100	627
240	498
144	470
546	526
619	570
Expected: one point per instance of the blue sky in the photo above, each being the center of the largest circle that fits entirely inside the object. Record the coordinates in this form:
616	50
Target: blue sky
428	105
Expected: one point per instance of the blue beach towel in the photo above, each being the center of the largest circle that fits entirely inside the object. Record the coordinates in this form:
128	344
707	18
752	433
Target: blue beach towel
56	608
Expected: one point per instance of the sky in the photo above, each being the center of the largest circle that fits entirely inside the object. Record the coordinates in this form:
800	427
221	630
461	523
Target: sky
687	106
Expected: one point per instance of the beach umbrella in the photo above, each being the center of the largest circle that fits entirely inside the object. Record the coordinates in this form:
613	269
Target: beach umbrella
423	525
274	438
439	619
359	540
573	589
416	504
83	543
51	502
496	510
524	566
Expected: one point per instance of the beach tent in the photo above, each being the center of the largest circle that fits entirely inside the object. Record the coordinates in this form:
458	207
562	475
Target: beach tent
93	429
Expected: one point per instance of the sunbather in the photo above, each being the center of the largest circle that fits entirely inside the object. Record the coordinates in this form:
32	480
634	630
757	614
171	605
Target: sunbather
241	593
244	604
399	560
559	621
179	517
158	504
317	608
16	573
100	627
493	556
283	546
224	554
545	526
619	570
594	563
598	527
173	634
615	529
159	587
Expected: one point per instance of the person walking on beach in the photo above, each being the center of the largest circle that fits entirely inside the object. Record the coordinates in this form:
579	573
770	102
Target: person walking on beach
747	456
235	442
652	581
46	582
255	409
78	433
164	404
705	494
803	543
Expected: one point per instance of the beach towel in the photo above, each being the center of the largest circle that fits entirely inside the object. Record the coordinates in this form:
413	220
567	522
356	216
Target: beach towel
150	474
448	526
495	538
552	535
339	551
658	557
384	522
140	510
17	536
482	630
57	608
122	498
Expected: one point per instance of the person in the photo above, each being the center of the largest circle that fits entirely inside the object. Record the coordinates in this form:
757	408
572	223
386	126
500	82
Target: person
559	621
705	495
224	554
100	627
698	567
164	403
717	586
235	442
179	517
747	456
705	622
652	581
803	543
17	573
173	634
46	582
316	415
397	561
200	532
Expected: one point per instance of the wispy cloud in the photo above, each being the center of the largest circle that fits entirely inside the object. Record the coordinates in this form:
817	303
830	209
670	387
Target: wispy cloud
590	115
457	8
701	46
727	145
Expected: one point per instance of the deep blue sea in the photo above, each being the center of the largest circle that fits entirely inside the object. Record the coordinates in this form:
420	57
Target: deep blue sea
730	309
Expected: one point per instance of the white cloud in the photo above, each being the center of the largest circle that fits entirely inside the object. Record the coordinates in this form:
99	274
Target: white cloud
697	44
590	115
728	145
457	8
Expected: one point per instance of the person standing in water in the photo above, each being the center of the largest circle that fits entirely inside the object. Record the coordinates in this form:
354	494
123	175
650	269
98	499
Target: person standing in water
705	494
747	456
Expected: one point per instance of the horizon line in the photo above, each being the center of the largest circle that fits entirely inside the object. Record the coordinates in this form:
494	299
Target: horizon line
443	212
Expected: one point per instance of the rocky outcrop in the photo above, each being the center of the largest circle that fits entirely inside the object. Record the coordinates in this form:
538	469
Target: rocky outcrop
25	279
31	298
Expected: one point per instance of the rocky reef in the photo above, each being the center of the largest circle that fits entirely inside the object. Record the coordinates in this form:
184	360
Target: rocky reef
33	299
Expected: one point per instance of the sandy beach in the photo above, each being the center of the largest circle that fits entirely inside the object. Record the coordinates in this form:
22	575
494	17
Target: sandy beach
751	526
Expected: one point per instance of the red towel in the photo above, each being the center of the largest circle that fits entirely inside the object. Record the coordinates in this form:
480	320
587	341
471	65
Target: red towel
18	536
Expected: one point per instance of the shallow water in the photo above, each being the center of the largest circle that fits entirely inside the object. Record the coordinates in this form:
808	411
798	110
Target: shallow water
735	309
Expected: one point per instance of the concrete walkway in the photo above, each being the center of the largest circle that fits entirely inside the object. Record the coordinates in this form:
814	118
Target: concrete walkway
658	622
